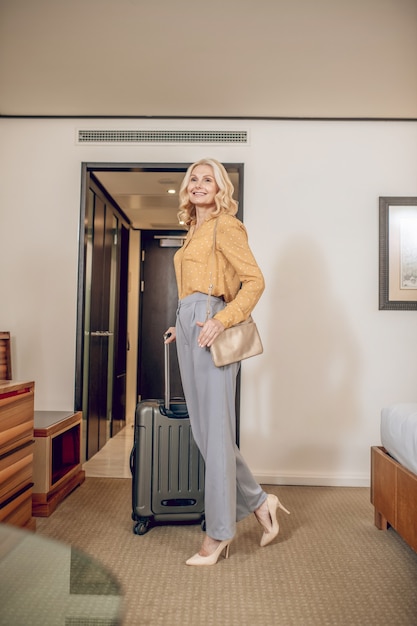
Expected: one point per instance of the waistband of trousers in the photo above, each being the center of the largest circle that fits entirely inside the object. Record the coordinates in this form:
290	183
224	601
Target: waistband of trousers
197	297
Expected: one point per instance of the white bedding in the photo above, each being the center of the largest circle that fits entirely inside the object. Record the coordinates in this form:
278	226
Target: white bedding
399	433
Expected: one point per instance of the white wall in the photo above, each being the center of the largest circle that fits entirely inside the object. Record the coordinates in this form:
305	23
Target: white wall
311	402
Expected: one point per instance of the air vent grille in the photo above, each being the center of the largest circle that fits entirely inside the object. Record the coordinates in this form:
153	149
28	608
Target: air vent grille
162	136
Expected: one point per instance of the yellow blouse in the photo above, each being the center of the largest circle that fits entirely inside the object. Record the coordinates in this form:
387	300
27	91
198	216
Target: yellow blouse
236	276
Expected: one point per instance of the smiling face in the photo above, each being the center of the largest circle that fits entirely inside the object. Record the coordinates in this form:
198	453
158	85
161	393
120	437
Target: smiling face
202	187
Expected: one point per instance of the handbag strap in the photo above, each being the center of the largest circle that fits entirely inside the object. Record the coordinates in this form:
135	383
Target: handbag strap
210	288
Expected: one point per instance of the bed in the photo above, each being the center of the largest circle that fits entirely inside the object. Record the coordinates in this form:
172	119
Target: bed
394	472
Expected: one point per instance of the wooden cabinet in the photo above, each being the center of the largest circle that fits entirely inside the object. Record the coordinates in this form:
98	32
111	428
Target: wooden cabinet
57	461
16	452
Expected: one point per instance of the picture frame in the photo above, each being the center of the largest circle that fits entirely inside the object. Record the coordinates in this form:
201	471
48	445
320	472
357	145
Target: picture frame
398	253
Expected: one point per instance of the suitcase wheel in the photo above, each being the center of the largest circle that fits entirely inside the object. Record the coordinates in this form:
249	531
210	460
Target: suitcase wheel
203	525
142	527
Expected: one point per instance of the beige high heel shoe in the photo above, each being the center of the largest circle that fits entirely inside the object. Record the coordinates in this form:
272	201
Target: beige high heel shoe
211	559
273	504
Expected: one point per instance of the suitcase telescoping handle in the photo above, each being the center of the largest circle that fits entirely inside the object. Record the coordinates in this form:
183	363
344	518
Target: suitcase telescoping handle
171	410
167	398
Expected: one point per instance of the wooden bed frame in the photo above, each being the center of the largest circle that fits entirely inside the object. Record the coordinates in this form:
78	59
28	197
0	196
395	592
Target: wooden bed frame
394	496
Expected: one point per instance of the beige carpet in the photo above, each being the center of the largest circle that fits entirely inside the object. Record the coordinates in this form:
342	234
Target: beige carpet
328	566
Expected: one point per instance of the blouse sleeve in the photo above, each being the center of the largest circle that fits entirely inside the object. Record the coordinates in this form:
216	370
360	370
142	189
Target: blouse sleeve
232	242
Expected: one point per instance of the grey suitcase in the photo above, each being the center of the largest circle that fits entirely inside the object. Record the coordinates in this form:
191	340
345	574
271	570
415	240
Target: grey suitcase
166	465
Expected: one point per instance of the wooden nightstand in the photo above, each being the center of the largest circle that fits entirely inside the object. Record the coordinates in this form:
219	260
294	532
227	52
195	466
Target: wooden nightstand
57	459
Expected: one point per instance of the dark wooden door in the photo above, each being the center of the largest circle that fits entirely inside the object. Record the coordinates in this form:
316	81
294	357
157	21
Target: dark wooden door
106	246
159	298
98	325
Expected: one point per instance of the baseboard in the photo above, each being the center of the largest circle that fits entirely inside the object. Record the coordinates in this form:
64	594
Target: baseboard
314	480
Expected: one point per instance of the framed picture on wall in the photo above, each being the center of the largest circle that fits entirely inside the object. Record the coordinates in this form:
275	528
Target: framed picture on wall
397	253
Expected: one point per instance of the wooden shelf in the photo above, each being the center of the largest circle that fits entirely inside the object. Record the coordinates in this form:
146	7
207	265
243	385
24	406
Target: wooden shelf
57	459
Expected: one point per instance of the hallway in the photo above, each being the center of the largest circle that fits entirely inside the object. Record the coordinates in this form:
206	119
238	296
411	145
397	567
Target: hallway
112	461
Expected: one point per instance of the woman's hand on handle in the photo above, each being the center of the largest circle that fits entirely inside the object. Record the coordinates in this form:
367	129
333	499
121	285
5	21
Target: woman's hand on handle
170	335
209	331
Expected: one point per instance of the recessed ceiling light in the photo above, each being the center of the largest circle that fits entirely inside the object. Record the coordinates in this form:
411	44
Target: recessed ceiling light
171	190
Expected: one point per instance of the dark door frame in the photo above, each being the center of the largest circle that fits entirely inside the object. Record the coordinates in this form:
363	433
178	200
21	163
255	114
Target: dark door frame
88	168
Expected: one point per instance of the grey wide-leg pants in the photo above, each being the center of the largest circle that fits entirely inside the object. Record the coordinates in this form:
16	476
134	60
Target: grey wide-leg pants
231	492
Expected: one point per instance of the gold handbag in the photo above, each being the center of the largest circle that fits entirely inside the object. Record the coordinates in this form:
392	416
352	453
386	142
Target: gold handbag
237	342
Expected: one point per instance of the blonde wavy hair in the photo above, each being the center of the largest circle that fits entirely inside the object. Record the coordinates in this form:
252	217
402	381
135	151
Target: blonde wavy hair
223	198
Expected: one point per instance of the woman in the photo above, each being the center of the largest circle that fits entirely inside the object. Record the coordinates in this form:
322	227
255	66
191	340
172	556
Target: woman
231	492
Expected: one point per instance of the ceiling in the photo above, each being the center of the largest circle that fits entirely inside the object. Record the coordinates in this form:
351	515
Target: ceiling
193	58
144	196
189	59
